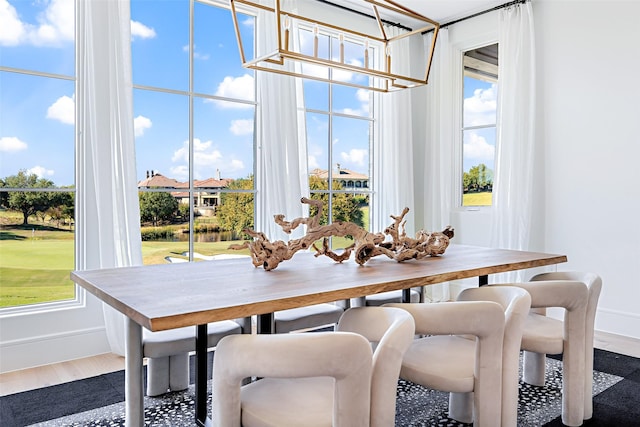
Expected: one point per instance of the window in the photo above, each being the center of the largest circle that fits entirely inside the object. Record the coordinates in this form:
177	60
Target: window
37	137
479	125
194	112
339	132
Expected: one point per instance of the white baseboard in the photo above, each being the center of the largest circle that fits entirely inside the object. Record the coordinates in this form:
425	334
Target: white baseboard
44	350
618	322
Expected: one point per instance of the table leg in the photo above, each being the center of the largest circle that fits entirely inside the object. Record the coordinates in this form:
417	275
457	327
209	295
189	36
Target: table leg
483	280
134	399
201	375
266	324
406	295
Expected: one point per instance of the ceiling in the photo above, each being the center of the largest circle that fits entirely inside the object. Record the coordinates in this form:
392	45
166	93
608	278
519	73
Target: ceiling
442	11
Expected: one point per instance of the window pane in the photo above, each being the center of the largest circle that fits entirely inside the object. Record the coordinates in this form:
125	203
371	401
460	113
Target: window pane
478	165
349	100
316	95
479	102
224	135
351	152
161	123
41	36
216	59
317	142
160	36
37	250
37	122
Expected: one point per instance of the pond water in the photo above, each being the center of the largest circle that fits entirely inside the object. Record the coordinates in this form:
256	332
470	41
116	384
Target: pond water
212	236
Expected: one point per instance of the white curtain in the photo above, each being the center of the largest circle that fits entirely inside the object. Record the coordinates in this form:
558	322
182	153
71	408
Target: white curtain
282	173
392	182
513	182
439	160
108	218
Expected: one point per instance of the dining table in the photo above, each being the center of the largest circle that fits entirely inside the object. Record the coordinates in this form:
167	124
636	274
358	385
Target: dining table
168	296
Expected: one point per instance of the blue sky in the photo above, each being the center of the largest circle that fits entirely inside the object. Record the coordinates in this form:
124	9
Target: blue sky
37	121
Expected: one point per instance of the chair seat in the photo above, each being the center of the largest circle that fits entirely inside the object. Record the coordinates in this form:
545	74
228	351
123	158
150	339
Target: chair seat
312	316
183	340
444	362
285	402
543	334
390	297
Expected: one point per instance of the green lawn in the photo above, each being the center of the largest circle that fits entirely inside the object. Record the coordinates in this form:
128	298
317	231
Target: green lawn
35	260
477	199
35	266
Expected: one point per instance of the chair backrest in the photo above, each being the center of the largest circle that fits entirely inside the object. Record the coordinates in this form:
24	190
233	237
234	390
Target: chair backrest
594	286
516	303
390	332
485	320
345	356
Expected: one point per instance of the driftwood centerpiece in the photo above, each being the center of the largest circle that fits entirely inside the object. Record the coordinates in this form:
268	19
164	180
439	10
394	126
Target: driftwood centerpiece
366	245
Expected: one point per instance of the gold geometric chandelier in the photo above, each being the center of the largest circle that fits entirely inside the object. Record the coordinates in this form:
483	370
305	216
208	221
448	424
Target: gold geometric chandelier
346	51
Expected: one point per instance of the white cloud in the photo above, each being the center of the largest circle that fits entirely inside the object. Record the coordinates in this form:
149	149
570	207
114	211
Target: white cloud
477	148
196	54
12	30
481	107
241	127
62	110
312	162
139	30
55	25
357	156
11	144
236	87
180	173
141	124
40	171
206	158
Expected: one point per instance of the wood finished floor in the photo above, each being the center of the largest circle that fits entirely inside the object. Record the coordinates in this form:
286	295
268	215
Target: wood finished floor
44	376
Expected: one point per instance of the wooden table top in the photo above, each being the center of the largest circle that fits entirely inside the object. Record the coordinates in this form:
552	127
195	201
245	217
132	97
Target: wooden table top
167	296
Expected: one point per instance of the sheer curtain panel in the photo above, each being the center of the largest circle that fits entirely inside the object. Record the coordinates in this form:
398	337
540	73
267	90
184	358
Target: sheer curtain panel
282	175
439	163
108	213
513	184
393	147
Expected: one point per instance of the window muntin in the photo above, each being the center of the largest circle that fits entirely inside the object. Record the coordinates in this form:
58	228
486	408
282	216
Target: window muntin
479	124
37	136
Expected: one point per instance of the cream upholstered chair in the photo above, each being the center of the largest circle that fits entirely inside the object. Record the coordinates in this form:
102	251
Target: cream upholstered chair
476	371
168	354
302	373
545	335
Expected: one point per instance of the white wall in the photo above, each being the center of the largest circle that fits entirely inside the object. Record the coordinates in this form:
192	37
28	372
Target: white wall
588	148
54	335
588	66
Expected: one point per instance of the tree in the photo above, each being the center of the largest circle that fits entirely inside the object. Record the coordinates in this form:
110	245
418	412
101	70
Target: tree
157	206
479	178
346	207
235	212
29	202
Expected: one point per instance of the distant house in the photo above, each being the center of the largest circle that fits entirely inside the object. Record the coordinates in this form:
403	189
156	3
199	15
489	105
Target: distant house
205	201
348	178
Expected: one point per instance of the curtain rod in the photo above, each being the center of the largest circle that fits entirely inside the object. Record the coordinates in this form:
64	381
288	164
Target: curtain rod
502	6
339	6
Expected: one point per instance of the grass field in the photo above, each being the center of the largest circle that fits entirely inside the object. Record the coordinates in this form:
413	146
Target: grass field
477	199
35	260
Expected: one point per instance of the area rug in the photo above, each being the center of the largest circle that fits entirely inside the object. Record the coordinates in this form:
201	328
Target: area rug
98	401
